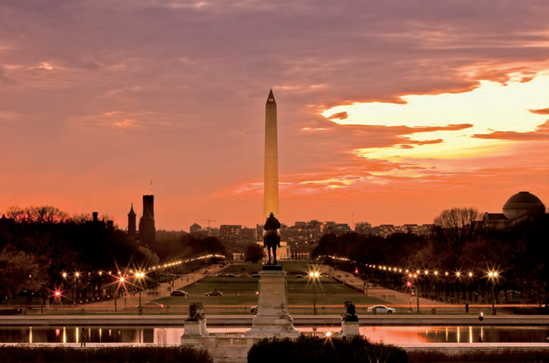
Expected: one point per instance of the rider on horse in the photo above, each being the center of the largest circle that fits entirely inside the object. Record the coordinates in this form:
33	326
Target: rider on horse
271	239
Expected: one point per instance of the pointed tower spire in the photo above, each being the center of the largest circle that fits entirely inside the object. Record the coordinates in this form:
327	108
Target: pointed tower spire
132	213
271	98
132	225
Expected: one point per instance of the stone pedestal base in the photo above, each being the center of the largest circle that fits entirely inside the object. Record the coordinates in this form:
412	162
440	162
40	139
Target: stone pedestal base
195	328
273	318
349	329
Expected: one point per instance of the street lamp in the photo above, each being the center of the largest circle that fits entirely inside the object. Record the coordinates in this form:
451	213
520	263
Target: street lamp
120	281
493	275
314	275
140	276
77	275
417	289
469	286
458	274
409	286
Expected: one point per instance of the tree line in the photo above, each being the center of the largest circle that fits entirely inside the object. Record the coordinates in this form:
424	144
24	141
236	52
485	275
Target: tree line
459	242
39	243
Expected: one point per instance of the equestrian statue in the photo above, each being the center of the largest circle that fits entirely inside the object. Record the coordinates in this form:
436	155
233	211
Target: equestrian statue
271	238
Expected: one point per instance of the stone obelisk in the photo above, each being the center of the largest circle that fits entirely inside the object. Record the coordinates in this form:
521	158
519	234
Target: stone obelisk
273	318
270	181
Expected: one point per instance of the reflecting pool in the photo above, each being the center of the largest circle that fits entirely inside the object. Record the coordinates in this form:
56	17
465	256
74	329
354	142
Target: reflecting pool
170	336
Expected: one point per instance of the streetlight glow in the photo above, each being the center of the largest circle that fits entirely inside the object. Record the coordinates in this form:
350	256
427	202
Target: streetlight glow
314	274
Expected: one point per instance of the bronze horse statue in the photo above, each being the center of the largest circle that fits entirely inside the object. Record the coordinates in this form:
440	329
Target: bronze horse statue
271	240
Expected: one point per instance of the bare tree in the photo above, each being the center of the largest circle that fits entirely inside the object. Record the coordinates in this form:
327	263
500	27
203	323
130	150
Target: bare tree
455	227
81	218
37	226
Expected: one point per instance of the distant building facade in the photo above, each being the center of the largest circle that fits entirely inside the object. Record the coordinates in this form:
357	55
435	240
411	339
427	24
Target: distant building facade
236	234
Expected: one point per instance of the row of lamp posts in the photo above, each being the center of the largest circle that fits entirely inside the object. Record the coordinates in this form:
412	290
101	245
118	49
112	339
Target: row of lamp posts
413	279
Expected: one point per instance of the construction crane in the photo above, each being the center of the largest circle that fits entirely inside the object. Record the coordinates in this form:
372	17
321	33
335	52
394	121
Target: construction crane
209	220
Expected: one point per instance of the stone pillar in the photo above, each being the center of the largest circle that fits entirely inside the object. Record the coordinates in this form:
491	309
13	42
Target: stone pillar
195	328
272	318
349	329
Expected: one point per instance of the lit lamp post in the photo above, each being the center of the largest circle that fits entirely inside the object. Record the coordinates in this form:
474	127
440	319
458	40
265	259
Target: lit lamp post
77	275
409	286
140	276
64	274
469	286
416	277
493	275
314	275
458	274
120	283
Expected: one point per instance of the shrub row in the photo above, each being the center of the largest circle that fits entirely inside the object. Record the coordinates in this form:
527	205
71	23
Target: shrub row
41	354
501	356
324	350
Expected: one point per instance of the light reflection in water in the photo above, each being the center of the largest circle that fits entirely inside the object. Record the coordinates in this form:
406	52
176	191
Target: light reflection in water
172	336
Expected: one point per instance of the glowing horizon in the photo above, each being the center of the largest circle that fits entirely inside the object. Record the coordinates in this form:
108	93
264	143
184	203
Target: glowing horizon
387	113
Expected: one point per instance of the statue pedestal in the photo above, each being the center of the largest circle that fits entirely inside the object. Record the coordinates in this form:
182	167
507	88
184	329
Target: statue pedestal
349	329
273	318
195	328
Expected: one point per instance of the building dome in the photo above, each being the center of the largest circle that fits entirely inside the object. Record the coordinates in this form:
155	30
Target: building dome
521	204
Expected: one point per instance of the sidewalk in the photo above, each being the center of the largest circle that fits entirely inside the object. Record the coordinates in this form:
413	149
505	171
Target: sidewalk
395	298
130	301
299	320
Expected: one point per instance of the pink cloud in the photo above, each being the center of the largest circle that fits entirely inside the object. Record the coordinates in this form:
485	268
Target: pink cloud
542	133
544	111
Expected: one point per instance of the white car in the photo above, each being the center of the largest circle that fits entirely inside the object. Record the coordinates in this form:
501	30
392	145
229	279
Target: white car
381	309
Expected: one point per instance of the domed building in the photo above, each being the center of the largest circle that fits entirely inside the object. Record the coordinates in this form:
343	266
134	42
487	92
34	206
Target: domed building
516	209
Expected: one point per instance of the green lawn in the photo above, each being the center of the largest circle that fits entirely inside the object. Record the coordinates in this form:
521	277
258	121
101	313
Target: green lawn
243	290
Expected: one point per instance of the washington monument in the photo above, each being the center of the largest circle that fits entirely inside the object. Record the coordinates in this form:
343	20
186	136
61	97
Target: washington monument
270	181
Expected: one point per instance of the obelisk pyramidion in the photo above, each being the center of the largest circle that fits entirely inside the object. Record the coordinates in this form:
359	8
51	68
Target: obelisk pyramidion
270	181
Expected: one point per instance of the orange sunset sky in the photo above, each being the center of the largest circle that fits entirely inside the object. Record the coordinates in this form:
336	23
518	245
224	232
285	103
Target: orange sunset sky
388	111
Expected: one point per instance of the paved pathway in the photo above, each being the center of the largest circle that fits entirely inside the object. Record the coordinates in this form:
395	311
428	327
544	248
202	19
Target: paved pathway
393	297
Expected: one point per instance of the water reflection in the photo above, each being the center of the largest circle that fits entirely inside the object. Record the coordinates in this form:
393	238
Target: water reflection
171	336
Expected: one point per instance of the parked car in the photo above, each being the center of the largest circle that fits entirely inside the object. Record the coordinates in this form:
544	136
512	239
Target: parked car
381	309
179	293
231	275
299	276
214	293
151	305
